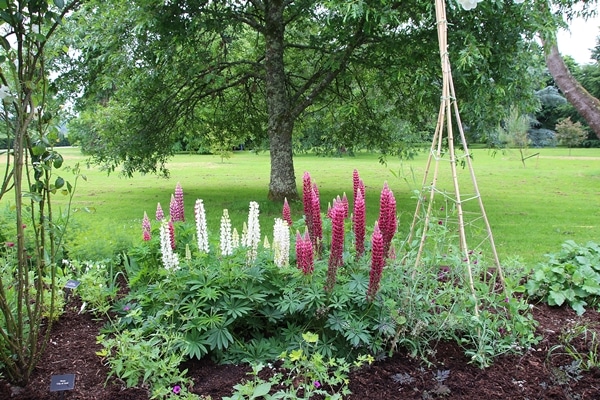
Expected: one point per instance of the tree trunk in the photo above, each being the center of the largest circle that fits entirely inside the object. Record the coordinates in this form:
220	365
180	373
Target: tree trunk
586	105
281	122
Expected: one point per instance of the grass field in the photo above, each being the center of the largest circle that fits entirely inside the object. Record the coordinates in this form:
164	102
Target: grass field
531	210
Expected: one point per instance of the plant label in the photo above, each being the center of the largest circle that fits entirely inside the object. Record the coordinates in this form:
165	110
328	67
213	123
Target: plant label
59	383
72	284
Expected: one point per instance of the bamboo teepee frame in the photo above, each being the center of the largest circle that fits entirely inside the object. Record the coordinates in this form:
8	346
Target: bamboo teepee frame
444	124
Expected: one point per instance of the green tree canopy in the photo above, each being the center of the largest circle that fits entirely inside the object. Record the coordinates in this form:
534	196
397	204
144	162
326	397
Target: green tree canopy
335	74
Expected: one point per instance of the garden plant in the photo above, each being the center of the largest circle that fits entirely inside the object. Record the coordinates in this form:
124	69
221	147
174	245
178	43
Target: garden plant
250	296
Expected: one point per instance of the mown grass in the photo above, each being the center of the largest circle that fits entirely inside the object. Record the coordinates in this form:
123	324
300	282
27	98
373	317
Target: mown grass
532	210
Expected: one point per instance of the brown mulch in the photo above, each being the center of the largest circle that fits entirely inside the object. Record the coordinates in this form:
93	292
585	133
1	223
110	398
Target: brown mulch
534	375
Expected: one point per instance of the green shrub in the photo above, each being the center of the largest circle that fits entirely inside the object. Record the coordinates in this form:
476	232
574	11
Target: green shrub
571	276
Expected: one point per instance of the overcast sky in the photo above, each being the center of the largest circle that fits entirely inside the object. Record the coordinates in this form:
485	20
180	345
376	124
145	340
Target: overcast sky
580	40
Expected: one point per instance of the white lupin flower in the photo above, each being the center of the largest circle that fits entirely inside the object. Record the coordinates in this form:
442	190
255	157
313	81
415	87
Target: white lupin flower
201	230
281	242
235	239
170	259
253	235
244	238
226	242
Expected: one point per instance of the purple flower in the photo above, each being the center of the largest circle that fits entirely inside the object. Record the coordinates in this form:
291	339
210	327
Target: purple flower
126	308
317	384
176	389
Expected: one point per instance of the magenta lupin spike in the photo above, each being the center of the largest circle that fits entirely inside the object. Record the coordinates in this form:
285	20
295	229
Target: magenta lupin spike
317	234
337	246
146	228
377	263
307	202
359	221
179	203
160	215
287	213
172	234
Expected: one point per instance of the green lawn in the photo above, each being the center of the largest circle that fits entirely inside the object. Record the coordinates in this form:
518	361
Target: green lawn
531	210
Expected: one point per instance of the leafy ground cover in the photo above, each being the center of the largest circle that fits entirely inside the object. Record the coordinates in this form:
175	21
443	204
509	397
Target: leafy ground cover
544	372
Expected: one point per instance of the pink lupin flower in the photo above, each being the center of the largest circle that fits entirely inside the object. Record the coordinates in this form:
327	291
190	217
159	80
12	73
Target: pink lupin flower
337	245
309	258
387	216
299	250
304	253
177	210
317	236
359	224
173	212
160	215
355	184
179	200
329	208
146	228
345	204
377	263
287	213
307	202
172	234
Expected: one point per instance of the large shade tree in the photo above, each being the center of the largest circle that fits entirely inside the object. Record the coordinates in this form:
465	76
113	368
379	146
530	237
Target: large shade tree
151	71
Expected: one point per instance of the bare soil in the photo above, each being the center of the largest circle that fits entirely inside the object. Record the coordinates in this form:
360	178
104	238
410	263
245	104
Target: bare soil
533	375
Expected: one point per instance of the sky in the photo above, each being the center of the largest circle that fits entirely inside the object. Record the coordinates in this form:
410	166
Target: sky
580	40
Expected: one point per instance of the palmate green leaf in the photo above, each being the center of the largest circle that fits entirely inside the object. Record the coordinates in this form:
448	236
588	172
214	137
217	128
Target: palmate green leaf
358	283
357	333
272	314
219	338
337	321
249	292
235	307
291	301
193	345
